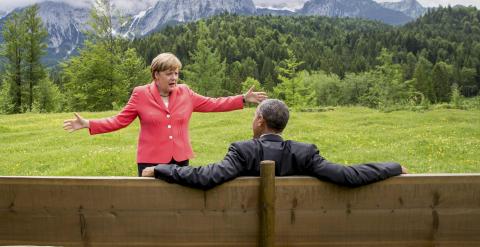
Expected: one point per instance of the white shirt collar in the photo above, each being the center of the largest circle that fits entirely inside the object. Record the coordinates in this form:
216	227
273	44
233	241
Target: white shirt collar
277	134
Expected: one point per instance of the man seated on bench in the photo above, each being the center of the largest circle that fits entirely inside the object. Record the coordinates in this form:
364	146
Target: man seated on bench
291	158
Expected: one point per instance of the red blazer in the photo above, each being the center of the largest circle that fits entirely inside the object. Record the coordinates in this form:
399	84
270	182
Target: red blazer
163	131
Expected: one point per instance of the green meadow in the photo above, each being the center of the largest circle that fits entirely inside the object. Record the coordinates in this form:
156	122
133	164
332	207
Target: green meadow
438	141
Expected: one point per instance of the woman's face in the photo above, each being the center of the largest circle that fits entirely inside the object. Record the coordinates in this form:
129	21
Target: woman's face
166	80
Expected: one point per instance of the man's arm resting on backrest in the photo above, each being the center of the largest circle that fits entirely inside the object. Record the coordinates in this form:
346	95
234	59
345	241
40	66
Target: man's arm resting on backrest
352	176
204	177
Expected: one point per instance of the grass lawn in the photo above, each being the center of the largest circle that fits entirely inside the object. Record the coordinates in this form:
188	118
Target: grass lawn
440	141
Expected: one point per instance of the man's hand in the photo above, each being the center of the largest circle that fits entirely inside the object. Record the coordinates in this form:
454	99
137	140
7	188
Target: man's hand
148	172
79	122
254	97
404	170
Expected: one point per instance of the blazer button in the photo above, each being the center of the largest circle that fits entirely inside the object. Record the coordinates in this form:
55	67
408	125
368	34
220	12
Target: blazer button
169	126
170	137
168	115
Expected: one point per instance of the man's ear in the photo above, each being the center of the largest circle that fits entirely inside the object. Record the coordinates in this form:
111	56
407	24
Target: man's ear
260	121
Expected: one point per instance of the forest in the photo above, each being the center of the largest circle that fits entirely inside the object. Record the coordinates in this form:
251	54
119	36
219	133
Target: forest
308	61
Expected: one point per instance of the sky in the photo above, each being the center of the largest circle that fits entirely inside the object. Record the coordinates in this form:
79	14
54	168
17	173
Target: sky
131	5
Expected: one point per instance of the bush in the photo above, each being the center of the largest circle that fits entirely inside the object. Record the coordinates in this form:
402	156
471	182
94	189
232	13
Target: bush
6	105
455	97
48	97
472	103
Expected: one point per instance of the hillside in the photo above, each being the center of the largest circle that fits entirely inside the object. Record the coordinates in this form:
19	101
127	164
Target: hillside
334	45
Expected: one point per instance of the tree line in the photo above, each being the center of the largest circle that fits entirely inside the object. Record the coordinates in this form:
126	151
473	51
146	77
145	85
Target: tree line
307	61
431	57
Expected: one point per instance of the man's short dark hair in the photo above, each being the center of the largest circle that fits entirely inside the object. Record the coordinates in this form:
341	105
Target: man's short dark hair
275	113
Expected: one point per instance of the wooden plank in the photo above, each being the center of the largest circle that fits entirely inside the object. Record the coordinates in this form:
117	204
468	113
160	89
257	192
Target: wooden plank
132	226
239	194
447	192
71	194
378	225
411	210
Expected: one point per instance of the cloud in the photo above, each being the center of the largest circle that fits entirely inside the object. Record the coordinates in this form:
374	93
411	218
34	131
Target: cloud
127	6
133	7
9	5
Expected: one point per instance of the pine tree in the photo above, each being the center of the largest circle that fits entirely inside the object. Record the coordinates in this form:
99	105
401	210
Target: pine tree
267	72
34	49
207	73
442	81
409	66
293	88
102	34
131	72
235	79
455	97
14	37
288	67
249	68
389	87
423	79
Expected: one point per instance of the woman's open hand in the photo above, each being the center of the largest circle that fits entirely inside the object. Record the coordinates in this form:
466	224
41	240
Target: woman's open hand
79	122
254	97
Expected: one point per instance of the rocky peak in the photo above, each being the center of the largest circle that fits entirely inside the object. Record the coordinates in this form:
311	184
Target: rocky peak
411	8
367	9
62	20
180	11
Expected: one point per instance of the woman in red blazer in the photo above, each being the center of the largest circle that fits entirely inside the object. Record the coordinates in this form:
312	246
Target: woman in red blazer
164	109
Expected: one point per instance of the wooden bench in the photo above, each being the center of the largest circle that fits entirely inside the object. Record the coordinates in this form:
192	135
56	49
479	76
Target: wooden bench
409	210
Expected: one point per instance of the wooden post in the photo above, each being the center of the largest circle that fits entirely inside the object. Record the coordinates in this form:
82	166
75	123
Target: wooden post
267	203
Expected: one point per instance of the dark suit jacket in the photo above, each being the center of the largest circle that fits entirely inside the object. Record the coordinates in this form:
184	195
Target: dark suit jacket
291	158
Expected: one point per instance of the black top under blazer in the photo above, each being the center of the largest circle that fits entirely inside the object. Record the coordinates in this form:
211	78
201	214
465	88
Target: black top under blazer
291	158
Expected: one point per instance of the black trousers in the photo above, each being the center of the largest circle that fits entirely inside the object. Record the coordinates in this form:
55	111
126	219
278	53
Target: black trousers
142	166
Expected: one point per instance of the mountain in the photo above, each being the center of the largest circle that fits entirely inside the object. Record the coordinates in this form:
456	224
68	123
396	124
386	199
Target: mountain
276	12
288	5
64	24
180	11
411	8
367	9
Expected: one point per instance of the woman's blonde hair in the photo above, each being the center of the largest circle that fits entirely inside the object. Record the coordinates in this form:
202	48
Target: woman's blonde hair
163	62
